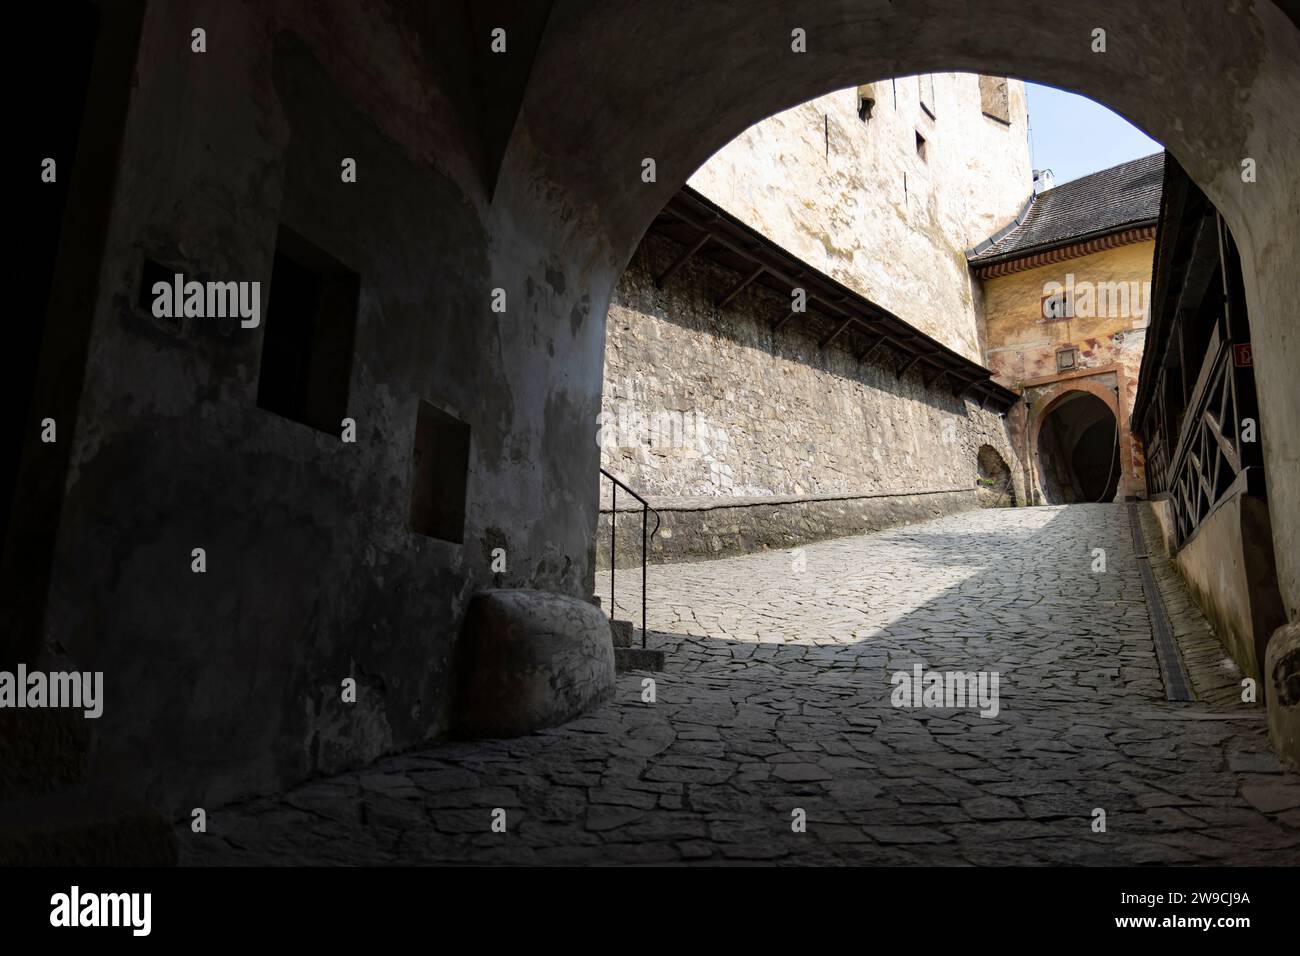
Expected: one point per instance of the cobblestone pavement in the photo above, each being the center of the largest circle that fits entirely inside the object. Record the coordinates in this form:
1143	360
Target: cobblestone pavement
776	698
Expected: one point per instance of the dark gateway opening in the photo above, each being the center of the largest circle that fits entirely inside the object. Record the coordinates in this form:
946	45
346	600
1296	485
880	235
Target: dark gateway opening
1078	452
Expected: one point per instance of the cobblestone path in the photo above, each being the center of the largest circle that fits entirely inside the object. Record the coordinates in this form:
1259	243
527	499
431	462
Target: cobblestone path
777	698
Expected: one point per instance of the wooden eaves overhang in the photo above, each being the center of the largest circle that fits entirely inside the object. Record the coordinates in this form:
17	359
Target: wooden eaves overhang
835	311
1178	250
1022	260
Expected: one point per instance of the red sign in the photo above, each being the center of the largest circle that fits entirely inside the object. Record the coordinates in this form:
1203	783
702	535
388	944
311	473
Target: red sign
1241	356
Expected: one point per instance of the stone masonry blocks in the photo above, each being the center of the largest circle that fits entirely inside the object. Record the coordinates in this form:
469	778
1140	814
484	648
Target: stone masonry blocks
530	659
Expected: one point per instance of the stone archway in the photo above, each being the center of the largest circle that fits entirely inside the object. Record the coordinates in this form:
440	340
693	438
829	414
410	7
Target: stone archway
518	179
1076	450
996	486
1044	479
571	196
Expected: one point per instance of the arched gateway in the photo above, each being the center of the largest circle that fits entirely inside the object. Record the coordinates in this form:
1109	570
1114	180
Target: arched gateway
497	199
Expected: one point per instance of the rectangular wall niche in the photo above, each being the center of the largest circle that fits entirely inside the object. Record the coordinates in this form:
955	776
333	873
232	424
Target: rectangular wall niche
925	86
441	464
151	274
995	98
311	317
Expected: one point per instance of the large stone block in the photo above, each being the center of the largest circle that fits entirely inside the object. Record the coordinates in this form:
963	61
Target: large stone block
530	659
1282	692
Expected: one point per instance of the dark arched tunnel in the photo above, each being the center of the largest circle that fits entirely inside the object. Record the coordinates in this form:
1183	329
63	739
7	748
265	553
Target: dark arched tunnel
1078	451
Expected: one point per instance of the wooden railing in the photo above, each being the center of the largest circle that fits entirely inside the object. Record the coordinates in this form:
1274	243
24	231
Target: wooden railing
1210	459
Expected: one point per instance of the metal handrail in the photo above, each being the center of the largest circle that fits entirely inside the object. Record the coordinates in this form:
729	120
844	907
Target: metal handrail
615	484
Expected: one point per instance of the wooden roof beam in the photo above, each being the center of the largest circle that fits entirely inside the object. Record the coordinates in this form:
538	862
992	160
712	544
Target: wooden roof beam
680	261
779	323
783	266
875	344
936	378
740	286
907	366
968	386
836	334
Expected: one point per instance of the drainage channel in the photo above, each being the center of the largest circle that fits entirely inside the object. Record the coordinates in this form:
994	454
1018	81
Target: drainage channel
1178	687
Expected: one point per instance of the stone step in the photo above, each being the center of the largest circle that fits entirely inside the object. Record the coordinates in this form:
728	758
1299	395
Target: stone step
622	632
638	659
74	828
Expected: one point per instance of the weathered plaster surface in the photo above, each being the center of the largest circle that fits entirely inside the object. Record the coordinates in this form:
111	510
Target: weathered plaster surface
1022	344
1231	581
854	198
229	682
1282	690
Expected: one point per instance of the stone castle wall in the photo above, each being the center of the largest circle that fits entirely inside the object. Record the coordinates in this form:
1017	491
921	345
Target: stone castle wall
707	403
856	199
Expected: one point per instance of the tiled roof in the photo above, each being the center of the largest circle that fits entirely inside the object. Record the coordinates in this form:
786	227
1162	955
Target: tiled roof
1101	202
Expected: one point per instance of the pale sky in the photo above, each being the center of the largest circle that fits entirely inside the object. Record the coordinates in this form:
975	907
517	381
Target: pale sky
1073	136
